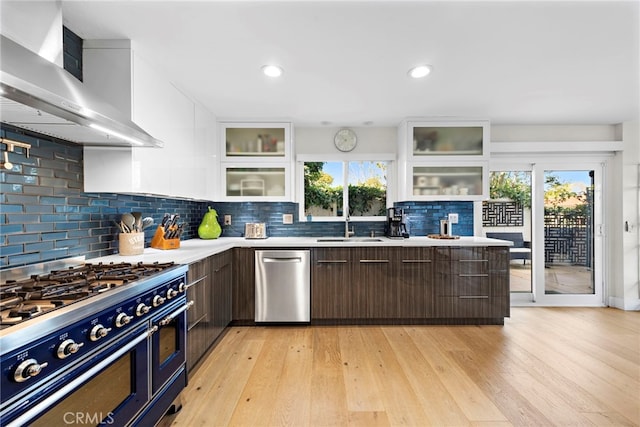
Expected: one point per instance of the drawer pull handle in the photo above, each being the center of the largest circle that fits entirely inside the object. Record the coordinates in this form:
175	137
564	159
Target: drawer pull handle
415	261
332	261
473	260
473	275
374	261
195	282
217	270
473	296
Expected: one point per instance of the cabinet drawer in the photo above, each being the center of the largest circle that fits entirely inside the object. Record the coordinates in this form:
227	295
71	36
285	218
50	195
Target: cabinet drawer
331	256
197	271
198	292
408	255
471	307
461	254
498	258
472	267
472	286
464	286
469	254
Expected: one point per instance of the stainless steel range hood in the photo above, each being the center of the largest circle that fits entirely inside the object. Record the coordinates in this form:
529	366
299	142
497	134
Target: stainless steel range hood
38	95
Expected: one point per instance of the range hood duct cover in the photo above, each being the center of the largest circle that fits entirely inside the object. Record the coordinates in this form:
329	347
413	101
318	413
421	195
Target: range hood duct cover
39	96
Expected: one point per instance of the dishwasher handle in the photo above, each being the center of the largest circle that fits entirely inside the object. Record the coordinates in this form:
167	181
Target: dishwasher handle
282	259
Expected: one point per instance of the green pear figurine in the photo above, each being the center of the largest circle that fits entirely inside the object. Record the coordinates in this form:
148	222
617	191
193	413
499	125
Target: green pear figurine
209	227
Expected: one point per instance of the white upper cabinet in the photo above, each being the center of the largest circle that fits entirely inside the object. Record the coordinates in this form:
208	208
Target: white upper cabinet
462	140
186	170
259	142
115	71
443	160
451	181
256	183
255	161
205	173
182	168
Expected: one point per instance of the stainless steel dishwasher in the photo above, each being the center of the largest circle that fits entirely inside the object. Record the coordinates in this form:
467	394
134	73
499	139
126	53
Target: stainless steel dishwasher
283	286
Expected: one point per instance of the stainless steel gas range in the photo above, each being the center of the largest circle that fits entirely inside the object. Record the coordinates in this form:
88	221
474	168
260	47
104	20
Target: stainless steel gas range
92	344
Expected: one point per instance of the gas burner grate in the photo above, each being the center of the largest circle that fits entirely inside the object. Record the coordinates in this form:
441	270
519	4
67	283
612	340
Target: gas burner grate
56	288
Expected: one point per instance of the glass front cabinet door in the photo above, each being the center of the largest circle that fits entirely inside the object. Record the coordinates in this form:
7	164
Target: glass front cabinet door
454	182
256	161
445	160
255	141
468	140
256	182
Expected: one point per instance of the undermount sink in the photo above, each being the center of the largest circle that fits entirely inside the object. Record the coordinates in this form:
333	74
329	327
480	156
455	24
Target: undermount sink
348	239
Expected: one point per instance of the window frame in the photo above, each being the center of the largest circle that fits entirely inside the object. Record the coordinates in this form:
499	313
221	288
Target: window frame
389	158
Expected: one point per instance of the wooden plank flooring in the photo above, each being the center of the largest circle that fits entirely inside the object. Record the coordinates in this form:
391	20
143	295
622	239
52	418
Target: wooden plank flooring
545	366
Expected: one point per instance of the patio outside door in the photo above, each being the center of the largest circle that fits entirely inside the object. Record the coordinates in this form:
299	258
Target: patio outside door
508	213
563	221
568	223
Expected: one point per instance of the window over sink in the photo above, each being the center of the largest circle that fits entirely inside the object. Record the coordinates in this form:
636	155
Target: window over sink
324	184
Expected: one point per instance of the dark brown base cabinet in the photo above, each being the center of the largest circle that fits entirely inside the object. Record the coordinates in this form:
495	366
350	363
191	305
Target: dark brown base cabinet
415	283
222	267
410	285
371	283
332	294
472	282
198	321
244	290
209	287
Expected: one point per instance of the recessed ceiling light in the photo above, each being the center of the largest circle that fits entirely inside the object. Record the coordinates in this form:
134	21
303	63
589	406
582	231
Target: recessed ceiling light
420	71
272	70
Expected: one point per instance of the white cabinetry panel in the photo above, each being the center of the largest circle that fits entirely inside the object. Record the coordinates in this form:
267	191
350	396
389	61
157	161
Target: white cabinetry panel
180	168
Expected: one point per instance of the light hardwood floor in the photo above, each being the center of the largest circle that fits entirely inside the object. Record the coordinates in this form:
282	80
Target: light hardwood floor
545	366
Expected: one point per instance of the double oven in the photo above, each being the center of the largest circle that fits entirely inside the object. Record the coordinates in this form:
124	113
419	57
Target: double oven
111	353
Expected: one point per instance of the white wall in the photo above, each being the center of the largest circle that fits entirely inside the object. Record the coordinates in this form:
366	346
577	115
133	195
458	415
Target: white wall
554	133
626	252
622	254
36	25
319	140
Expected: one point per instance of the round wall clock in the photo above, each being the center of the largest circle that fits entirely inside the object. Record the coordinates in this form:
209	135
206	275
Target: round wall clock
345	140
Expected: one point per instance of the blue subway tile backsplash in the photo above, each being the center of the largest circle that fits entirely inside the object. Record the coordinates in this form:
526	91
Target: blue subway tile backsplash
424	217
45	215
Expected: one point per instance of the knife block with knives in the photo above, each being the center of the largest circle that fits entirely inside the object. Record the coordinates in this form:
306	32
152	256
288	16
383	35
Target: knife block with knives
168	233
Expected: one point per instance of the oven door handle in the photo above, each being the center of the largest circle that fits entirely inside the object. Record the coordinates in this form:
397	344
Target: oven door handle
166	320
69	387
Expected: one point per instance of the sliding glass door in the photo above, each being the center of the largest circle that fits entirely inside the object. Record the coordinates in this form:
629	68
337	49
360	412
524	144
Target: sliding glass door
555	209
569	229
507	215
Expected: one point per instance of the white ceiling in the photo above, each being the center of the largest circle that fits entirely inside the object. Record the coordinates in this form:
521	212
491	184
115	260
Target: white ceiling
346	62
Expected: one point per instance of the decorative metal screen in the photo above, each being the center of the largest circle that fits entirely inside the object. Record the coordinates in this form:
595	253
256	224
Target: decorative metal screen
568	237
567	240
502	214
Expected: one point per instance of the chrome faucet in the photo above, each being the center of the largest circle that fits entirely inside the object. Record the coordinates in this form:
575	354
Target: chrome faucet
348	233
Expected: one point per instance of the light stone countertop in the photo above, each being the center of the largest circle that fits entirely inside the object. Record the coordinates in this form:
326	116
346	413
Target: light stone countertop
196	249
